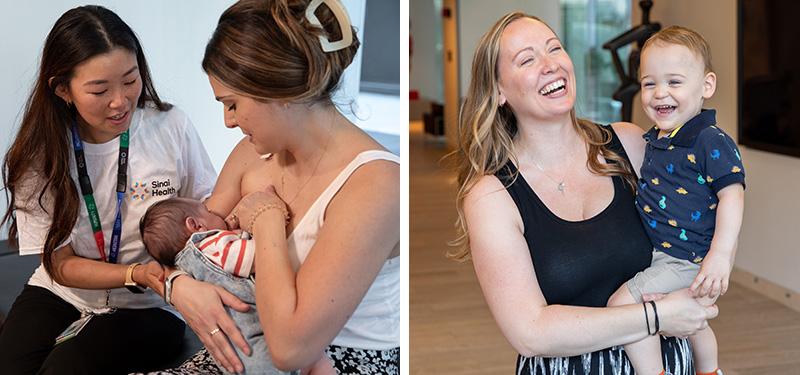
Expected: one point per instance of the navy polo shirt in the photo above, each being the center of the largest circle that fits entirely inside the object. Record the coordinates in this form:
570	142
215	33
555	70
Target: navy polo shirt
680	177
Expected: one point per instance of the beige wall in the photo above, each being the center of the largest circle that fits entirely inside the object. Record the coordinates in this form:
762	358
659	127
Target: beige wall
768	244
474	18
452	100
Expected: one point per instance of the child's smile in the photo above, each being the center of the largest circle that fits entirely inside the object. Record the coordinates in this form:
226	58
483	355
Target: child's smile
674	85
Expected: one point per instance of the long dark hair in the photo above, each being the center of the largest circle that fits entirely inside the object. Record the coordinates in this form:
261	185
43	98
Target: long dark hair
37	164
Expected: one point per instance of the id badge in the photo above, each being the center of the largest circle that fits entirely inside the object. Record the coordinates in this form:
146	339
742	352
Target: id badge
74	329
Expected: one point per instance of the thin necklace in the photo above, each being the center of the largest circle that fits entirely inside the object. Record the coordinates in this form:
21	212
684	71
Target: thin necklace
313	172
560	184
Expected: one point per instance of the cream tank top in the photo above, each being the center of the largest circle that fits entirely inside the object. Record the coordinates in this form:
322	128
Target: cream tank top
375	324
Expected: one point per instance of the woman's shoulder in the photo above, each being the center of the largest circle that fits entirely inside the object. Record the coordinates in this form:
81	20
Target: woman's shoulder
244	158
485	187
626	130
378	166
376	157
359	153
629	136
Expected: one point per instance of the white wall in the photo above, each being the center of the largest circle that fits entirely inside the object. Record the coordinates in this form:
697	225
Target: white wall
476	17
767	244
173	34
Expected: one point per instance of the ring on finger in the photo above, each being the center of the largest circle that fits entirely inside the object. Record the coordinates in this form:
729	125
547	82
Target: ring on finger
214	331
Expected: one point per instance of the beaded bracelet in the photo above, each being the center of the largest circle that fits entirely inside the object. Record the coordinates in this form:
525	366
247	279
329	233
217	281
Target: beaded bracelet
265	207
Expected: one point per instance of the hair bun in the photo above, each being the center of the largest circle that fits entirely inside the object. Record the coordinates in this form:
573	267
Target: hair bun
269	49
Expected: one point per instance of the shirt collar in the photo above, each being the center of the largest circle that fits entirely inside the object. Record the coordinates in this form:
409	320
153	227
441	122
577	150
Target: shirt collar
689	131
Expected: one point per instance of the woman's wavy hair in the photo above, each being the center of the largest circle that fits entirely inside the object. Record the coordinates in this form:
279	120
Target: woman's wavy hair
487	130
36	168
269	50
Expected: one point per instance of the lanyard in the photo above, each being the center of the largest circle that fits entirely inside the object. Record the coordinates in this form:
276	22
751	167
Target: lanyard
88	196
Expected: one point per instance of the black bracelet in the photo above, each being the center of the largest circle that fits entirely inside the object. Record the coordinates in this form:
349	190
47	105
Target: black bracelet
655	312
646	319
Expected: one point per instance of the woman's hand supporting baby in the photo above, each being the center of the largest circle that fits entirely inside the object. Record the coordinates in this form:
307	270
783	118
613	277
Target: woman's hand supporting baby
201	304
151	275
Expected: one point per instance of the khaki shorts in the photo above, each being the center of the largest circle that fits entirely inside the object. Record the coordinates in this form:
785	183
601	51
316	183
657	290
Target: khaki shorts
665	274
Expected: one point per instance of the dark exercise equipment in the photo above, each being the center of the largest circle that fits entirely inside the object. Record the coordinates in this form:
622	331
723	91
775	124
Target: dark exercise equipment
629	85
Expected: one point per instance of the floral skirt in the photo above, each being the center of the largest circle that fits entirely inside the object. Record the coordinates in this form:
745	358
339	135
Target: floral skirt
351	361
346	361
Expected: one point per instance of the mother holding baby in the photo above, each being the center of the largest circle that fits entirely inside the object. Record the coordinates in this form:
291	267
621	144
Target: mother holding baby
320	196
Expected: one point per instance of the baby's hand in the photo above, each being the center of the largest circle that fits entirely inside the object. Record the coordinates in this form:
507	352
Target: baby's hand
712	281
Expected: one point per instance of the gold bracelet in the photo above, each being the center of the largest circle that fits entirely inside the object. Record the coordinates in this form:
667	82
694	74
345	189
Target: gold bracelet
265	207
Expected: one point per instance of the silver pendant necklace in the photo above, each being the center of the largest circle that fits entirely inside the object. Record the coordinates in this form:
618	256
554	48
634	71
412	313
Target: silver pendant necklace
560	185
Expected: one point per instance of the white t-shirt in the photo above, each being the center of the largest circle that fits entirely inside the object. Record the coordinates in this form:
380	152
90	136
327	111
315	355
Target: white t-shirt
166	159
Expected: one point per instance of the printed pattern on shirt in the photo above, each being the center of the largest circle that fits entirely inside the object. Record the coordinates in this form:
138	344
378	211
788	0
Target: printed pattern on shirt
234	253
680	178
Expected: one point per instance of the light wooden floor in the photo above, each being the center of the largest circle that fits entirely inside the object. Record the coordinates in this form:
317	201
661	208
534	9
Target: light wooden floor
452	331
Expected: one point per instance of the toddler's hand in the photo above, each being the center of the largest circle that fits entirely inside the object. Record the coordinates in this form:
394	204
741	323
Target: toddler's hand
712	281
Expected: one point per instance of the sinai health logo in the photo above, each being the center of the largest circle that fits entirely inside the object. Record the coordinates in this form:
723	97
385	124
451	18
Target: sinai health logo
141	190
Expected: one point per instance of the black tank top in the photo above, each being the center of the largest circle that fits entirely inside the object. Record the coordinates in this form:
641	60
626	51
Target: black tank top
583	263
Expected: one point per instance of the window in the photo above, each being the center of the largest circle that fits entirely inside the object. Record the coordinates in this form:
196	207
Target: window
380	72
587	25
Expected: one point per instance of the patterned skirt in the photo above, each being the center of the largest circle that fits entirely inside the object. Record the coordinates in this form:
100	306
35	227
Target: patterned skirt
351	361
676	354
346	361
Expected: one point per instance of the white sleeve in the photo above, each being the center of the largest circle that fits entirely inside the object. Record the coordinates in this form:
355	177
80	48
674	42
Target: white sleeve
197	175
33	222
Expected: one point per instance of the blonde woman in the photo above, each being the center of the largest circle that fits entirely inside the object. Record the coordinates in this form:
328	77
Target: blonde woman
546	211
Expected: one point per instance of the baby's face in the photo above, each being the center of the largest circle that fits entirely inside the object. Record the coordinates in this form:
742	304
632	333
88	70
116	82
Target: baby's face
210	220
674	84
